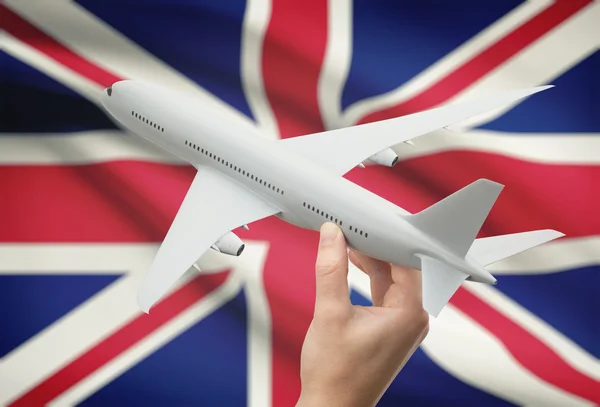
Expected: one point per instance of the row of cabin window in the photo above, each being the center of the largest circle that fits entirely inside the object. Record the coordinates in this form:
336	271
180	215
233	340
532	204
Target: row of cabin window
156	126
331	218
358	231
234	167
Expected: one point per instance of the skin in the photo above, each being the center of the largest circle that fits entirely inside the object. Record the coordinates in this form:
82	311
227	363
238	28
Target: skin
351	354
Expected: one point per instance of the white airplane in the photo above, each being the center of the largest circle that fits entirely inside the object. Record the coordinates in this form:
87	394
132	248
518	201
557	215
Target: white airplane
243	177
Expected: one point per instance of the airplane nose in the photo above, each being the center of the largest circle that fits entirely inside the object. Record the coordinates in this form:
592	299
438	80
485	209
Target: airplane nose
105	97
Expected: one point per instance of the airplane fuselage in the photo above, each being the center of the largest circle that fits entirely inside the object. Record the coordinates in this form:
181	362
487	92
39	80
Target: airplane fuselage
307	194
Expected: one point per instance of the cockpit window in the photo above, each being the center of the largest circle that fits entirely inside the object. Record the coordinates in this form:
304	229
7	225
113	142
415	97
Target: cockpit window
109	90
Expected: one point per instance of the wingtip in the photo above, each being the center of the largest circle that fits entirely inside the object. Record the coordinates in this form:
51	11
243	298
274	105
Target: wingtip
555	234
144	307
143	303
496	186
537	89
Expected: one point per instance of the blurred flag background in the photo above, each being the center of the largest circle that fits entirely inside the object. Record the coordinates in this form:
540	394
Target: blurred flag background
83	206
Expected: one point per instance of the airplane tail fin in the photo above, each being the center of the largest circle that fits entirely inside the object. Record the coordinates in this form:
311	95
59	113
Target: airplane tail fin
455	220
489	250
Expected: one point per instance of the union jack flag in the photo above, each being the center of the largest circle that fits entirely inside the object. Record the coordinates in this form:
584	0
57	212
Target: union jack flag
84	206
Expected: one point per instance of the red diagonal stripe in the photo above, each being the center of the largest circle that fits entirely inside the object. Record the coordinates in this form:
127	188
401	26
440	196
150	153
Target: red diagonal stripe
122	340
528	350
22	29
485	62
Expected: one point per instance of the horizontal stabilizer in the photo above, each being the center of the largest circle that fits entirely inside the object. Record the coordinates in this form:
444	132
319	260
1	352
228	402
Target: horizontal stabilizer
455	220
440	282
489	250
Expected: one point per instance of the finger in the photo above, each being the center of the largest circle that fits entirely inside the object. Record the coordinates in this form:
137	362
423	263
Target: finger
406	290
379	275
332	269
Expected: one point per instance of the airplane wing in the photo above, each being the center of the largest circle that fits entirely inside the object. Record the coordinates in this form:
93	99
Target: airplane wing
213	206
341	150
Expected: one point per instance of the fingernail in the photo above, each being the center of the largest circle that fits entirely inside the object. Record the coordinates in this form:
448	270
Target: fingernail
329	233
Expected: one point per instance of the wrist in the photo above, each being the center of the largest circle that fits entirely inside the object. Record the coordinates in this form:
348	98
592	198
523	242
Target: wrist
315	398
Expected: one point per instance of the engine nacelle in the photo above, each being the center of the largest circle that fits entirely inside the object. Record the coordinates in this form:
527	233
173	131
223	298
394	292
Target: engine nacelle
385	157
230	244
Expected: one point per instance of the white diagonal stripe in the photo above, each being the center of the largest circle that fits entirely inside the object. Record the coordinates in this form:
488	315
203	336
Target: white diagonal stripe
84	326
40	61
570	352
553	257
541	63
150	344
109	49
470	353
447	64
453	332
241	268
102	314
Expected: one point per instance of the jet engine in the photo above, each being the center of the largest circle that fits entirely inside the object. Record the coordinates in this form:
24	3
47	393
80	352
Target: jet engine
229	244
385	157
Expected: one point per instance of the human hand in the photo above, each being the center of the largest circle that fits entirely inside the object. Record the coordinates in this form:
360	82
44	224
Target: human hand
351	353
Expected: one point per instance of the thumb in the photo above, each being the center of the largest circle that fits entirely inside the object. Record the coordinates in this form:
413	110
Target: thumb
332	269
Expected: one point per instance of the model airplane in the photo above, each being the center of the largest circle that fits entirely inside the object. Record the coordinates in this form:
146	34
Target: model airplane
244	177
